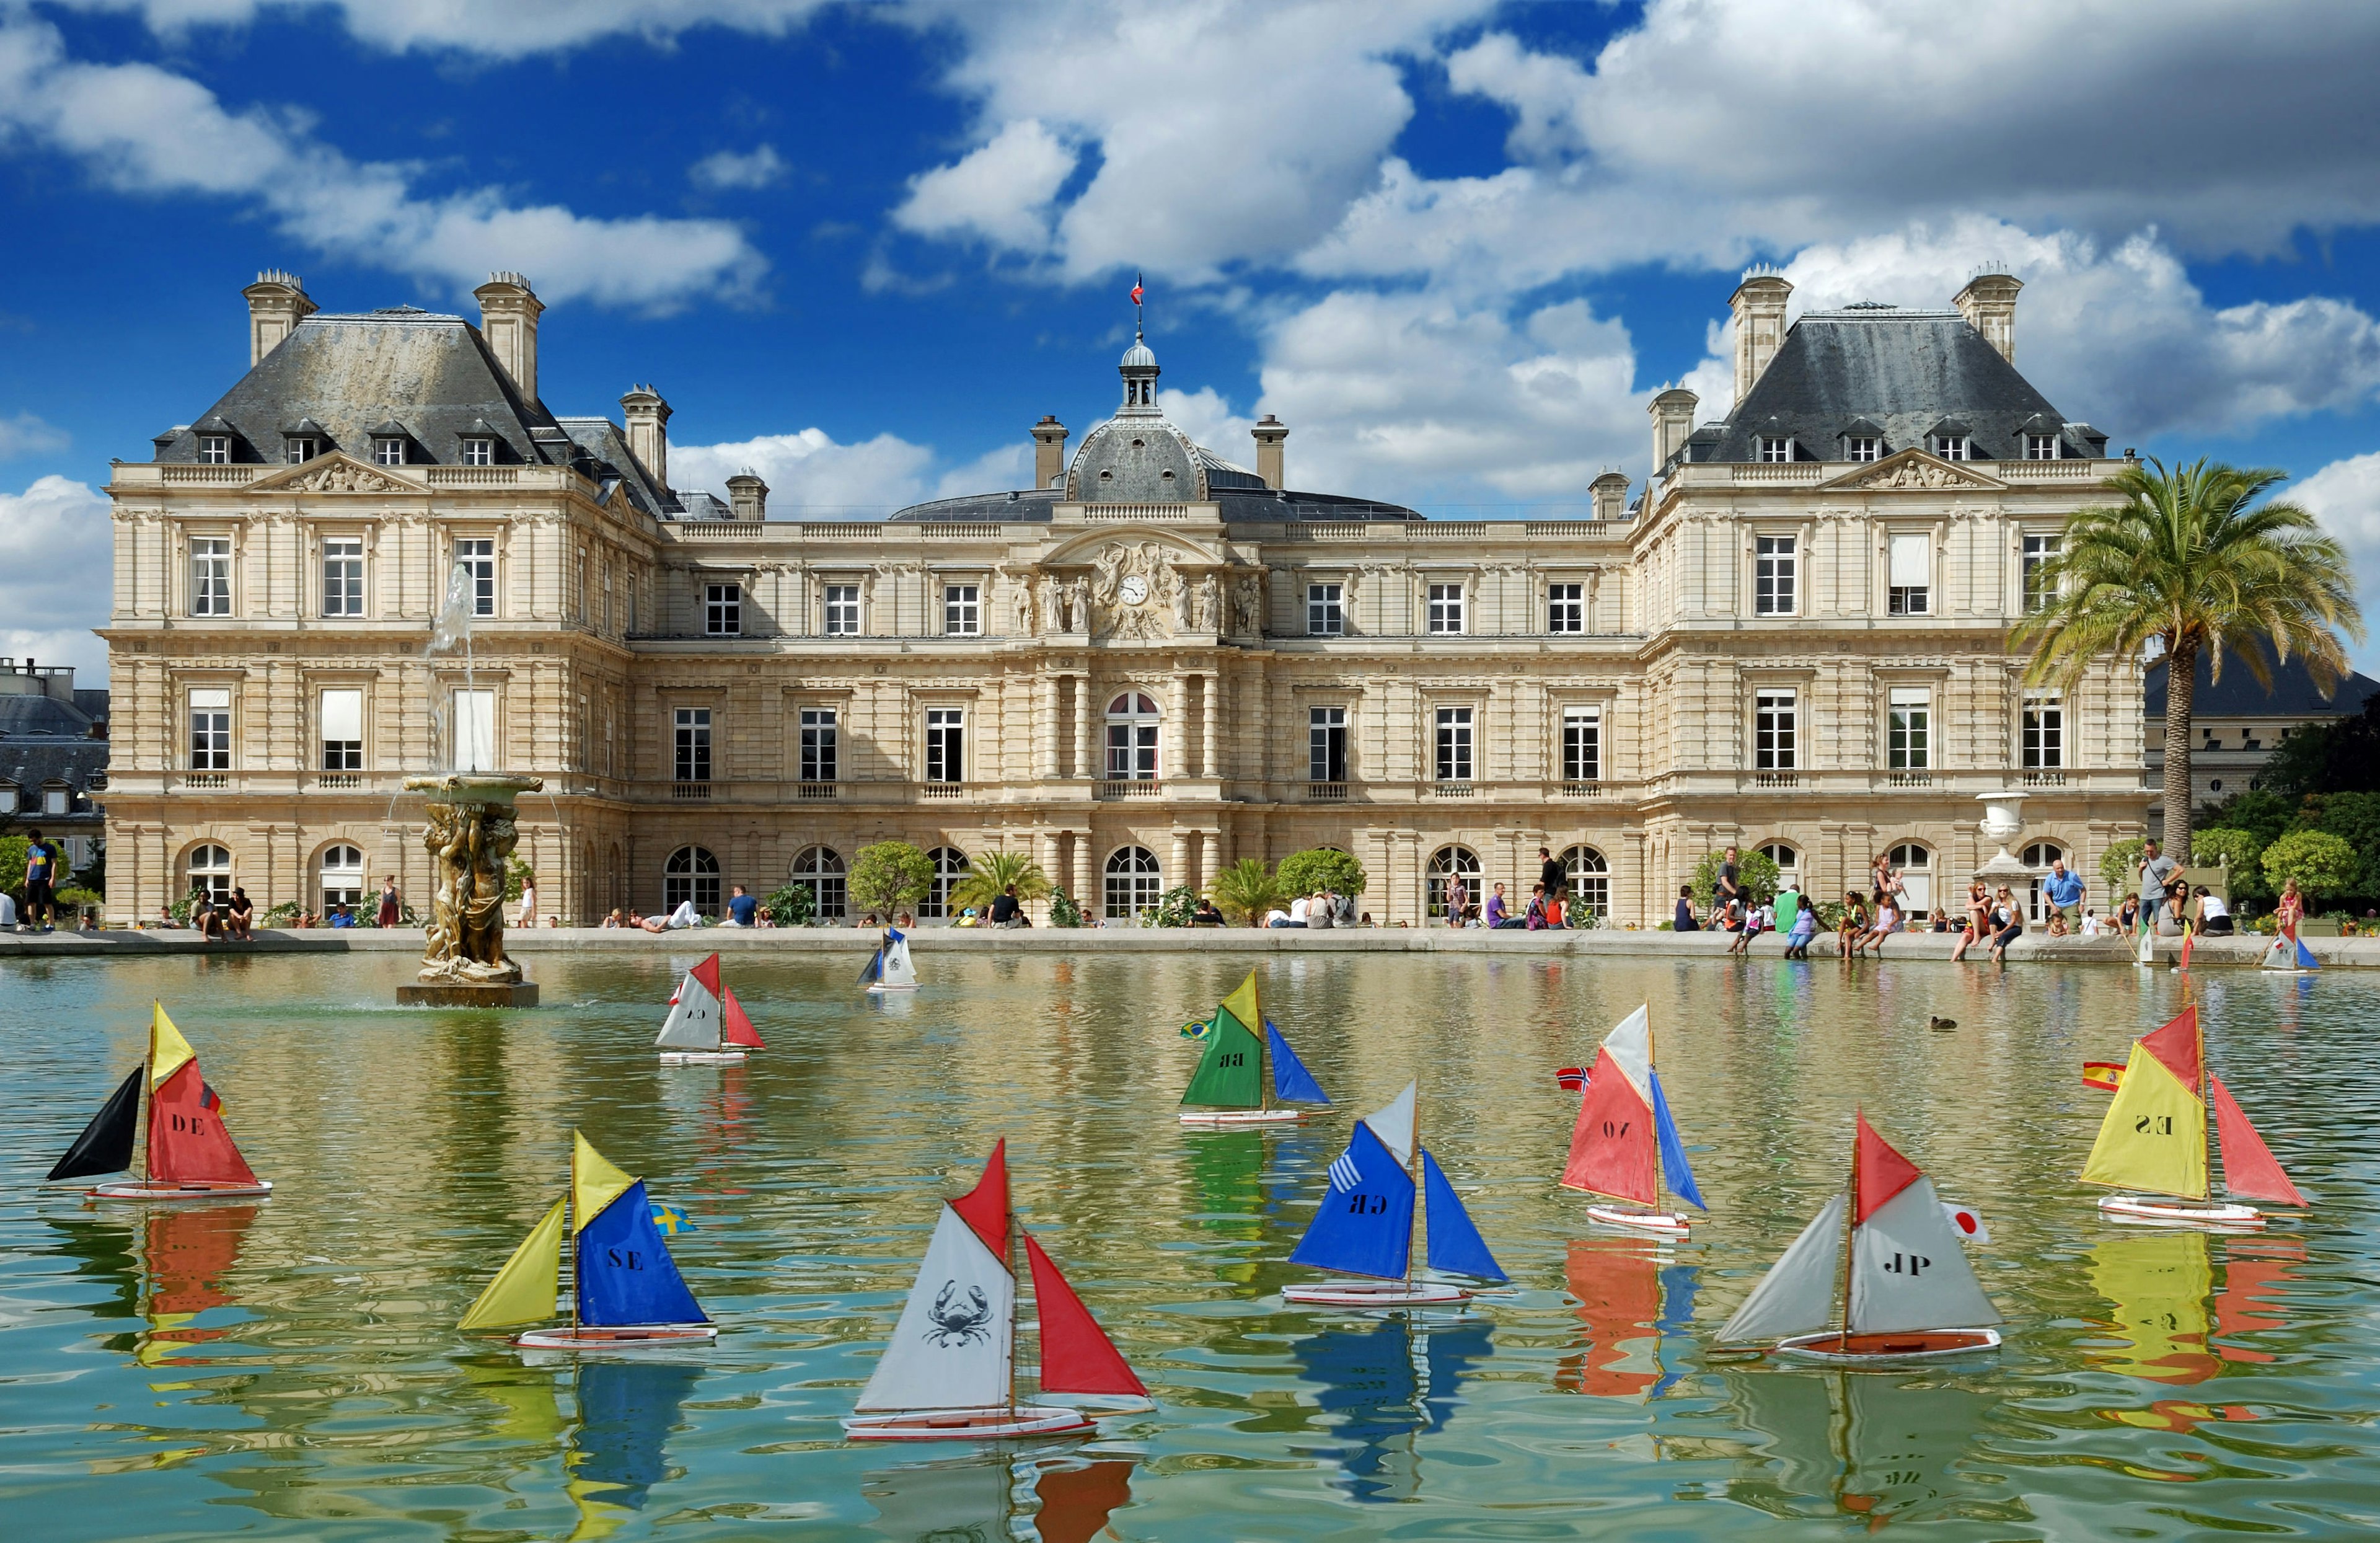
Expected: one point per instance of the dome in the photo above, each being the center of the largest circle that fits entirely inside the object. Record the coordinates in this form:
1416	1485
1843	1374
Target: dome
1137	357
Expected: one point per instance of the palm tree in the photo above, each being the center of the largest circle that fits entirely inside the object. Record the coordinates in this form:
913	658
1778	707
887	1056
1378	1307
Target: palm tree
1245	892
989	873
2190	564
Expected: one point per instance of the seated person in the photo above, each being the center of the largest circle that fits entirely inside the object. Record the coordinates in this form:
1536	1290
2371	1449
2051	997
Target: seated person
1005	908
617	918
342	917
1684	920
1534	919
241	917
1939	921
1319	911
968	918
2091	926
2058	927
742	909
1206	914
1276	917
1806	927
1499	913
2214	915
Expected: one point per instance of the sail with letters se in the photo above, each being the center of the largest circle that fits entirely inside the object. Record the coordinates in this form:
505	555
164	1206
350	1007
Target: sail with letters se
189	1152
1231	1086
1364	1225
2154	1138
1625	1136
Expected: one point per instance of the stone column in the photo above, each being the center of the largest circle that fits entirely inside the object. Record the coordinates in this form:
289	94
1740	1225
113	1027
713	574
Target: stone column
1089	721
1177	711
1045	710
1086	875
1179	871
1209	710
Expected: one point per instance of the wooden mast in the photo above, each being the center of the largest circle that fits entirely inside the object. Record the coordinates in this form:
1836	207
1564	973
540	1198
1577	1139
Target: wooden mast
1851	1226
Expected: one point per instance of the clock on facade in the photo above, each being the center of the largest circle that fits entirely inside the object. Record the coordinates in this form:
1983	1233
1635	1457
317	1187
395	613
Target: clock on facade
1134	590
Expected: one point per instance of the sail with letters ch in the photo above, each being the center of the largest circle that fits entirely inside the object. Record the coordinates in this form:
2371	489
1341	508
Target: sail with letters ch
1229	1088
626	1292
1364	1225
889	968
706	1022
1878	1278
2154	1138
190	1153
1625	1139
950	1372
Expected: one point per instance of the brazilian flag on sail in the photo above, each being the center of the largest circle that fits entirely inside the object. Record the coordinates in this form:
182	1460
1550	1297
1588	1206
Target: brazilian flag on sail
1230	1074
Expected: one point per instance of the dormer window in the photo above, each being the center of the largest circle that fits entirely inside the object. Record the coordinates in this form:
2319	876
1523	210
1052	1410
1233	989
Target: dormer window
1951	447
1165	476
215	449
2041	447
478	450
1773	448
1107	476
303	449
387	450
1862	449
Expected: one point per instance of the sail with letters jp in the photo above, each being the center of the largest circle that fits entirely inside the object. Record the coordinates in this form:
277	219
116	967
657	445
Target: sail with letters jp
1231	1086
705	1022
1364	1225
2154	1137
1625	1138
190	1153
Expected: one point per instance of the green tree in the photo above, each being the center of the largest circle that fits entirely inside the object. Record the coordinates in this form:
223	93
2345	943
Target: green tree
791	907
1245	892
1757	876
2120	865
989	875
2260	812
1064	912
12	866
1174	907
2241	851
888	876
2342	756
2354	818
2191	563
1323	868
2321	863
516	878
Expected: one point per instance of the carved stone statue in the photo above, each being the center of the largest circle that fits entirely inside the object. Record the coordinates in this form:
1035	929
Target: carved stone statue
469	834
1078	610
1209	604
1248	605
1054	606
1023	599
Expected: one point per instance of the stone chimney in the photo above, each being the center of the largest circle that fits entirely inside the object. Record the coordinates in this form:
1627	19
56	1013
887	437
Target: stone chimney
1270	432
508	314
648	418
747	495
1049	451
1611	494
276	303
1673	420
1989	305
1759	305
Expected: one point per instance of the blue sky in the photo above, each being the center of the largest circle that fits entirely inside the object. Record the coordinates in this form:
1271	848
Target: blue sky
1453	244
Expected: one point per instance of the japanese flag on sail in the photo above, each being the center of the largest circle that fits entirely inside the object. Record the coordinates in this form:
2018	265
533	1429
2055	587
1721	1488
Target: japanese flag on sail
1968	1223
693	1017
1907	1269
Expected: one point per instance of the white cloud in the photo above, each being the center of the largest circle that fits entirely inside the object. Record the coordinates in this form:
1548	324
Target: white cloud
726	170
56	571
26	435
517	29
2344	495
1208	419
809	473
1000	192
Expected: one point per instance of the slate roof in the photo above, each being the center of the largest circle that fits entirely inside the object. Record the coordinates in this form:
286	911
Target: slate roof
2238	695
1261	503
1903	371
43	740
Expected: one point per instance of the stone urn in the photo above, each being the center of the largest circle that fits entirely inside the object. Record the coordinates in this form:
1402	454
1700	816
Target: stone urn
2003	818
470	834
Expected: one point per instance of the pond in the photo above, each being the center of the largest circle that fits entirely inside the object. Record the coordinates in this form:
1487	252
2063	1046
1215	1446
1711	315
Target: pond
290	1368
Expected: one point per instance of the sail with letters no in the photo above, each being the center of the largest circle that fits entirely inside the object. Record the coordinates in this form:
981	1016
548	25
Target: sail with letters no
1625	1139
1365	1223
2154	1137
889	968
950	1372
191	1154
1231	1086
625	1291
705	1022
1883	1263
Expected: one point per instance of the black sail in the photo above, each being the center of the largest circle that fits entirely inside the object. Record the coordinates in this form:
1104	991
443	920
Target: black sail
106	1145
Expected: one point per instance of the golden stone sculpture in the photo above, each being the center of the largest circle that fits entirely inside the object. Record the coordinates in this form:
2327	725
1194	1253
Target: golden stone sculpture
469	833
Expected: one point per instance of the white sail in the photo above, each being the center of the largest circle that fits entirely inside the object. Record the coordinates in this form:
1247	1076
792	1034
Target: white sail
693	1022
1630	1045
951	1346
1908	1270
2145	946
898	970
1393	1124
1797	1295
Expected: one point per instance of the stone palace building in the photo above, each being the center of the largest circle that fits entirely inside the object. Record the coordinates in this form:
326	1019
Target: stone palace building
1150	663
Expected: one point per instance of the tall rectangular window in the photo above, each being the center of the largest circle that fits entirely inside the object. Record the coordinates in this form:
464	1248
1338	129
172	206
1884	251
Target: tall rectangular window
1773	726
1863	448
945	745
819	746
211	729
1446	607
2041	447
963	610
2045	732
723	610
1774	449
477	555
841	610
1325	744
1454	744
1772	576
1565	608
1581	744
693	745
475	730
211	575
607	598
343	575
1325	613
2038	552
1908	729
343	730
1908	582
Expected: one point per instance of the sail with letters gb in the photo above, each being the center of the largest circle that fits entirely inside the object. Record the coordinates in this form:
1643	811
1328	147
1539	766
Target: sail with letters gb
1365	1226
2154	1137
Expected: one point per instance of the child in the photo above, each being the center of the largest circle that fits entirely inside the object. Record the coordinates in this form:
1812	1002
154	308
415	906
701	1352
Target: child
1806	927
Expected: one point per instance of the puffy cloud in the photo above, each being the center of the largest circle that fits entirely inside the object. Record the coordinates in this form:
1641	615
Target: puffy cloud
809	472
27	435
1000	192
2344	495
1208	419
726	170
515	29
56	571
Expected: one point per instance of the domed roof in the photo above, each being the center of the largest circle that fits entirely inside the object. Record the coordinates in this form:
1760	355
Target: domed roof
1137	357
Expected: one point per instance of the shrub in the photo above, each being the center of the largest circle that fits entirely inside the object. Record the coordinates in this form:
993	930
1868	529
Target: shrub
1245	892
1323	868
889	876
2323	864
75	898
1064	912
280	916
1174	907
1755	876
2239	850
790	907
516	877
12	864
2119	865
989	875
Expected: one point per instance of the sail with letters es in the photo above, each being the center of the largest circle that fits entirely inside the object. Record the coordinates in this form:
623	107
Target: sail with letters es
2154	1135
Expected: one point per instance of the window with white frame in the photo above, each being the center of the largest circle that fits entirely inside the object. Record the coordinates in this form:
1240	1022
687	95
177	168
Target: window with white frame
1908	729
1951	447
820	871
1916	865
820	749
1773	448
2039	552
2041	447
1565	608
1132	738
946	745
1446	865
1774	723
1909	576
209	870
388	450
693	761
1325	744
343	729
343	575
2045	732
1325	614
211	729
1787	861
1455	763
302	448
841	608
1772	576
1864	447
949	867
1581	744
7	797
57	800
343	876
723	610
475	729
215	449
211	575
2038	856
1588	874
691	873
963	610
477	557
1133	884
1446	607
478	450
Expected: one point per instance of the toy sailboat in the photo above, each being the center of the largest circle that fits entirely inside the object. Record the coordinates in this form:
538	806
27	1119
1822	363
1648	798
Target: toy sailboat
2154	1137
2289	953
889	968
1229	1085
706	1022
1882	1261
191	1156
1623	1126
2144	947
950	1372
628	1293
1365	1223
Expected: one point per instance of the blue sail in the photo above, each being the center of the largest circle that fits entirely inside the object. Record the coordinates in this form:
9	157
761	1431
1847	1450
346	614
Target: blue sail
1366	1224
873	970
1673	1151
625	1274
1292	1083
1455	1245
2306	960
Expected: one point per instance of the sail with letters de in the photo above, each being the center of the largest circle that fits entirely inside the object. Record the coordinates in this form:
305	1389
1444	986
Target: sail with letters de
2154	1138
191	1154
1365	1223
694	1029
1625	1136
1231	1086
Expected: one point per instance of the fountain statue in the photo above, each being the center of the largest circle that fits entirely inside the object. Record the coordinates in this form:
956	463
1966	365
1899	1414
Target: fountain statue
469	836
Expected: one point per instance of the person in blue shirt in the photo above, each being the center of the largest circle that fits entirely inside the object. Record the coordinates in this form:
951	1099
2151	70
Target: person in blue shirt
2063	889
1684	921
742	909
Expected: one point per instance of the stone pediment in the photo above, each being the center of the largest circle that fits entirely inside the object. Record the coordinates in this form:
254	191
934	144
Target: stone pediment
337	472
1912	472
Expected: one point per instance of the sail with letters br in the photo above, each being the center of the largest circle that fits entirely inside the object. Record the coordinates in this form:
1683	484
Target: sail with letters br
190	1153
1625	1136
1364	1225
696	1028
950	1372
1884	1264
889	968
2154	1137
1231	1086
625	1290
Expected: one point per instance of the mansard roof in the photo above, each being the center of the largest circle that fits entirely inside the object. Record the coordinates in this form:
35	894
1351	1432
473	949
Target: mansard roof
1280	506
2237	695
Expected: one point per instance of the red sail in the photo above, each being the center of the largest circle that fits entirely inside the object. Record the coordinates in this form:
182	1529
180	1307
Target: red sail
1612	1149
187	1143
2177	1044
1883	1172
737	1027
1076	1354
985	1207
2249	1169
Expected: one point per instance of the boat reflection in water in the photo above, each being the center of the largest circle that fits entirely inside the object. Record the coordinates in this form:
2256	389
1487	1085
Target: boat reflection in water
626	1410
186	1254
1882	1446
1390	1384
1632	1292
2171	1327
978	1499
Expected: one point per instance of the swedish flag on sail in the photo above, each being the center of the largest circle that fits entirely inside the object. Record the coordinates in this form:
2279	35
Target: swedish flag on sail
671	1219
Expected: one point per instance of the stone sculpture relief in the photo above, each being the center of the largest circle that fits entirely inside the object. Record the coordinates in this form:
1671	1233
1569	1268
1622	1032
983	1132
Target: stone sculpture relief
1134	591
469	842
1918	474
345	477
1248	605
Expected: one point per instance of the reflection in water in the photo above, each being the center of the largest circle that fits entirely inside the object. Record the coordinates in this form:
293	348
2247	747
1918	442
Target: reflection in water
1628	1298
1881	1446
974	1499
186	1251
1391	1383
626	1410
1078	1498
2159	1284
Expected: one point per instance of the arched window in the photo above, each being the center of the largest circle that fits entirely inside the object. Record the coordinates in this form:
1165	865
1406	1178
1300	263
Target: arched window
950	866
691	873
1132	738
1590	879
2038	856
343	876
210	869
1444	863
820	869
1134	882
1916	865
1787	861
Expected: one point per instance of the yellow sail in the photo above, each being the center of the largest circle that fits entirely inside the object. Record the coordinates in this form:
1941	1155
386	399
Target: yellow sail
1242	1004
2159	1284
168	1051
523	1291
2155	1134
595	1184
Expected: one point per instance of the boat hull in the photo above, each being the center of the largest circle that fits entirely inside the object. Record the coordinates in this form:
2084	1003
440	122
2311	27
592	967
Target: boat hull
2139	1210
1377	1294
880	990
694	1058
638	1336
1235	1119
1887	1350
140	1189
1660	1223
1030	1420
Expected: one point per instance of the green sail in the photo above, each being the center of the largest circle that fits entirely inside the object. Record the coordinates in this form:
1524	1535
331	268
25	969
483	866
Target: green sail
1230	1074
